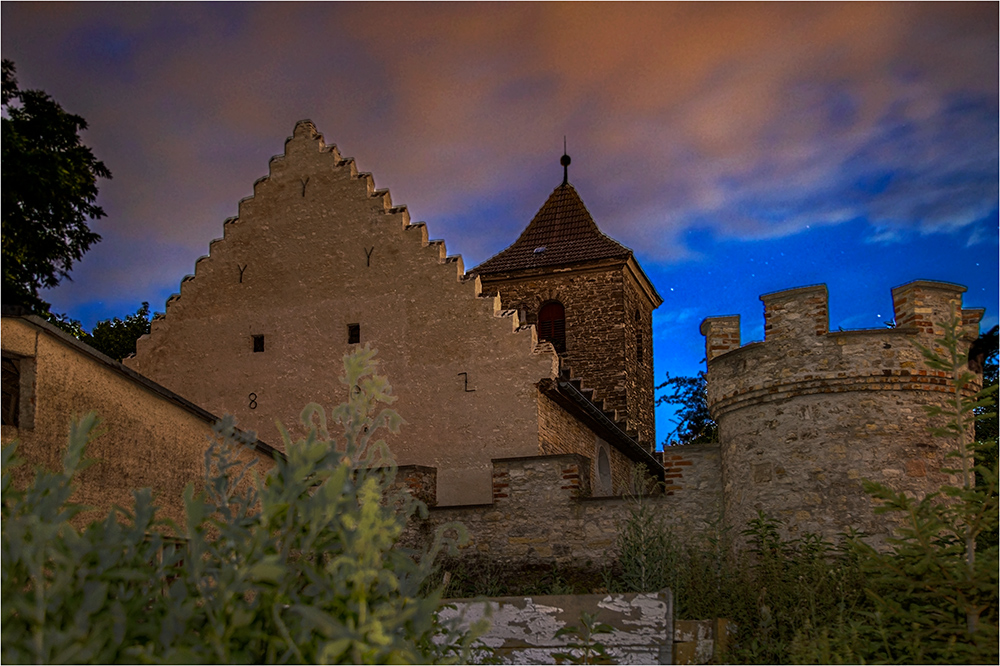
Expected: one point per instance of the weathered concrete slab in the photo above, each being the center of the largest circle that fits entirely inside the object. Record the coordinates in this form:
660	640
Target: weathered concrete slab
524	628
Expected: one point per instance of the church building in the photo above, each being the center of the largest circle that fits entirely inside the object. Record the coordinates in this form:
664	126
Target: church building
585	293
545	348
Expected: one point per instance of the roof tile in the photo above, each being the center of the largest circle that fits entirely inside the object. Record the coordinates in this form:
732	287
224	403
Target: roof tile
565	229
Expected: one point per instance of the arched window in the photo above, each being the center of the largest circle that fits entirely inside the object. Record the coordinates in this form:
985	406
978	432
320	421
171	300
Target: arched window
605	487
552	324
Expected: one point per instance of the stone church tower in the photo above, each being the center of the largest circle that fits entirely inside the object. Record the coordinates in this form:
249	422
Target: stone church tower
586	293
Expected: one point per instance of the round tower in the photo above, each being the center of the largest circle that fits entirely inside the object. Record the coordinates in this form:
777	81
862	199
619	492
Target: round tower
807	414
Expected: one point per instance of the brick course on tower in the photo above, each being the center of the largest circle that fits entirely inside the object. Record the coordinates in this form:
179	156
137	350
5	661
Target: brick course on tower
563	257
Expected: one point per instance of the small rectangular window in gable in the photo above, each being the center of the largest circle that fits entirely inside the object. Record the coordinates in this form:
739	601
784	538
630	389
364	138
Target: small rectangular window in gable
353	334
258	343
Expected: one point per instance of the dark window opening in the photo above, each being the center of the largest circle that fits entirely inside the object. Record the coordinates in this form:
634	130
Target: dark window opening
353	334
552	325
11	391
258	343
638	347
637	316
604	471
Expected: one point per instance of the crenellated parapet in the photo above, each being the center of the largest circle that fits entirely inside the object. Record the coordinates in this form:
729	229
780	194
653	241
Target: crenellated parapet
796	313
722	335
801	356
808	413
923	305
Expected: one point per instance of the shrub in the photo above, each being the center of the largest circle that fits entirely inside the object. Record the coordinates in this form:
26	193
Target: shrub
935	594
931	598
301	566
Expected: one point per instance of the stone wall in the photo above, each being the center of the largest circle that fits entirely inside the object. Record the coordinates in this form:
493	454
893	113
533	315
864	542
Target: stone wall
638	333
600	301
693	469
543	511
150	437
315	252
560	432
594	308
807	414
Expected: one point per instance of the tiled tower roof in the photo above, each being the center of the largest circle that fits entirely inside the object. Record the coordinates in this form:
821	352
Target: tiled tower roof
562	232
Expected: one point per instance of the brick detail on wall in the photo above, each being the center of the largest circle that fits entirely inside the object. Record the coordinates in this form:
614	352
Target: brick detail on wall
419	481
796	313
501	483
923	305
722	334
543	512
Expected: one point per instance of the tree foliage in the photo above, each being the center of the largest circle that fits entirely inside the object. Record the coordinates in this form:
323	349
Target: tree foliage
116	337
49	192
694	422
301	566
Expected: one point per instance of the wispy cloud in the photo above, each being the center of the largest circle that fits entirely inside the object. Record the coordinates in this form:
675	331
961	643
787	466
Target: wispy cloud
750	121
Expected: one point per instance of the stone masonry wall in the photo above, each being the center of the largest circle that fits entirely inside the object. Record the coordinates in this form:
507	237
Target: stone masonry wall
638	323
543	512
316	251
560	432
807	414
693	469
594	309
600	334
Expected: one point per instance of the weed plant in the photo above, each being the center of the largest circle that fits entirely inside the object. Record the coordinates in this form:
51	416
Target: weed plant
303	567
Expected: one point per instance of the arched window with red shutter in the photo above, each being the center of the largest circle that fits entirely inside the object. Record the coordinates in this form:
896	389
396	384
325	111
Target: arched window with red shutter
552	324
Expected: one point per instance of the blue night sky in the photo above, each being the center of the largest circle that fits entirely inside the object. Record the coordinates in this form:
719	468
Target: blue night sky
739	149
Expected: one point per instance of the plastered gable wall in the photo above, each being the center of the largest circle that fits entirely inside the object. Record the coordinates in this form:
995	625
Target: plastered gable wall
809	413
315	249
147	439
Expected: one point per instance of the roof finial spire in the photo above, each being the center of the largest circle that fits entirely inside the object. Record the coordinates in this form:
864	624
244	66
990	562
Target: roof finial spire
564	160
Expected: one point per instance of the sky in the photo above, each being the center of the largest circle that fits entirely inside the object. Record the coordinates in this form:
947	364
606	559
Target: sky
738	149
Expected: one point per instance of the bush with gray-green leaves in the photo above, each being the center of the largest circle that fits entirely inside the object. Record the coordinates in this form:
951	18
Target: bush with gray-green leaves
299	566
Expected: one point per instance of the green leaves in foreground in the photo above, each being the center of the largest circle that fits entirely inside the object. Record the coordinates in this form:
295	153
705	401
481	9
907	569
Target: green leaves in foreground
300	566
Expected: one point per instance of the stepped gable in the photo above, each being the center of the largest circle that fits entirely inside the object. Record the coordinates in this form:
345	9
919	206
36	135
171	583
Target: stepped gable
565	229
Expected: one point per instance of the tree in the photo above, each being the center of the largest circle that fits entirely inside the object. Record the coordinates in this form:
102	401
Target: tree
49	192
117	337
935	591
694	424
983	358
